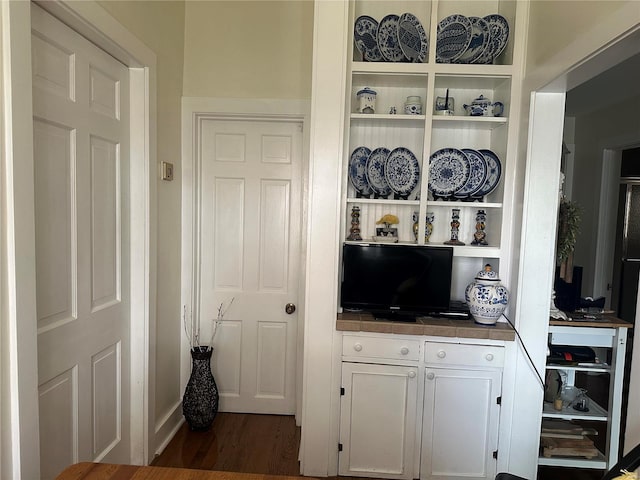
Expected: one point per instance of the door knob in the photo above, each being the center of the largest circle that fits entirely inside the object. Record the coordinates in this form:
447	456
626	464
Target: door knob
290	308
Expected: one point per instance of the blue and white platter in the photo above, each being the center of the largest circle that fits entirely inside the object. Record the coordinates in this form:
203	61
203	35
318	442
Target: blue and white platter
494	172
448	171
480	36
499	36
375	171
402	171
357	170
365	37
454	36
477	174
388	42
412	37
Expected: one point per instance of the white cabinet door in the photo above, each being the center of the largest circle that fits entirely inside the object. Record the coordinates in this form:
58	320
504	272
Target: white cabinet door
460	424
378	420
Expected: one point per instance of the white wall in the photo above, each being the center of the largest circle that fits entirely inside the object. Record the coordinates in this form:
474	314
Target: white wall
612	127
554	48
556	25
248	49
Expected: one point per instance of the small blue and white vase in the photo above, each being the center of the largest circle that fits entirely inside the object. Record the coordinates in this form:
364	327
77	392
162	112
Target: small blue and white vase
366	100
487	297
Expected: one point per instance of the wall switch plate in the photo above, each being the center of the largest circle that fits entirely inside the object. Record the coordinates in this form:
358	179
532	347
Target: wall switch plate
167	171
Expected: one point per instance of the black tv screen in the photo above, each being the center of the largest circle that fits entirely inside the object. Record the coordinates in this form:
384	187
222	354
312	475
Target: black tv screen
391	279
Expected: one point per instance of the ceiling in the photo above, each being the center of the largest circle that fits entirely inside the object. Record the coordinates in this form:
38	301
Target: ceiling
621	82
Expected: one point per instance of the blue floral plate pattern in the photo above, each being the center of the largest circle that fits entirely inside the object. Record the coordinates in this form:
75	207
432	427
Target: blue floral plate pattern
477	174
448	171
375	171
480	36
388	42
365	37
357	170
412	37
499	36
494	171
402	171
454	36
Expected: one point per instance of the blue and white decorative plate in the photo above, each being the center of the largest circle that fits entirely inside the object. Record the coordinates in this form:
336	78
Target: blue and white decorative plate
376	166
494	171
365	36
357	170
477	174
388	42
454	36
480	36
448	171
412	37
402	171
499	28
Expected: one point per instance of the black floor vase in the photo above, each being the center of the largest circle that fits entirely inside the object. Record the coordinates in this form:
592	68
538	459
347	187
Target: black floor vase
200	401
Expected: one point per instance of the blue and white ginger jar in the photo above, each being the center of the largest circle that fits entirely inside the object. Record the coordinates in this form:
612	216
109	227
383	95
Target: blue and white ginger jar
487	297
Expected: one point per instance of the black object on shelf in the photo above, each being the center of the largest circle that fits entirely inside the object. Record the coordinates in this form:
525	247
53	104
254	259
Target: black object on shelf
571	354
568	294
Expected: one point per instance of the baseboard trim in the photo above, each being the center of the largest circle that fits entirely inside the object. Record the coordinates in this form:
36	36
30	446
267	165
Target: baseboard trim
167	427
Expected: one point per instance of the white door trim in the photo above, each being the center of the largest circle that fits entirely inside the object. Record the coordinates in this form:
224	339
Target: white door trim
608	207
194	109
540	204
21	445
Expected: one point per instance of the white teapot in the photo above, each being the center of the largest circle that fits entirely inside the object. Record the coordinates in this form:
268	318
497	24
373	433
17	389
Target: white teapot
487	297
483	107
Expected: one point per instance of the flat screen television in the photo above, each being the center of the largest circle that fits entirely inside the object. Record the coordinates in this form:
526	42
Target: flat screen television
396	281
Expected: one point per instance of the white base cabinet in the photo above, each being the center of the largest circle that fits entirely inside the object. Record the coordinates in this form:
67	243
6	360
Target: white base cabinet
415	408
462	397
460	424
378	423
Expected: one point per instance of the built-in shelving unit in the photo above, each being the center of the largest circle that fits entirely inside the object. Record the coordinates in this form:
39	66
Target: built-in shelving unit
428	132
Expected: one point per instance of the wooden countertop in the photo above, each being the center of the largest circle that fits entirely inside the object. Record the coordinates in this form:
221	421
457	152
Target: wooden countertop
436	327
606	321
107	471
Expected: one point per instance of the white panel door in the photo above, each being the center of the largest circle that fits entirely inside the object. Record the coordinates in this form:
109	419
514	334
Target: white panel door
378	420
249	252
460	424
81	143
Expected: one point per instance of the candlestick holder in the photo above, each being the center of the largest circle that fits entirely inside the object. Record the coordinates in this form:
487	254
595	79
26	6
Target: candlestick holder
480	237
354	231
455	228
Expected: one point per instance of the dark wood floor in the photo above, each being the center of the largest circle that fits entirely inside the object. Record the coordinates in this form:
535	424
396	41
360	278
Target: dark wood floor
268	444
237	442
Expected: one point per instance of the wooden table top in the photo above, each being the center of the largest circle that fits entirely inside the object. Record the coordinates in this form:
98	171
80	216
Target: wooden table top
107	471
604	321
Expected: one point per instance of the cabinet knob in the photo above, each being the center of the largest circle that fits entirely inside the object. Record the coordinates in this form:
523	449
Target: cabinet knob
431	375
441	354
411	374
404	350
357	347
489	356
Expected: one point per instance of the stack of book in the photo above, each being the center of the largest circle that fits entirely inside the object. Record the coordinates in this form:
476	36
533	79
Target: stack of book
567	439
